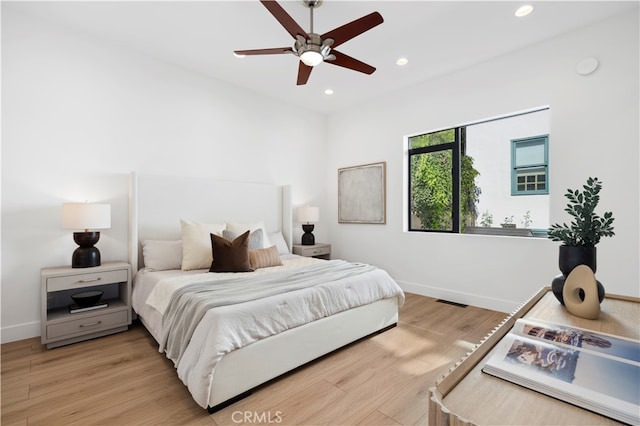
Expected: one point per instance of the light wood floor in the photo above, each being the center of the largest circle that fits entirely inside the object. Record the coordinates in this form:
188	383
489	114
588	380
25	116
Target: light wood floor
123	380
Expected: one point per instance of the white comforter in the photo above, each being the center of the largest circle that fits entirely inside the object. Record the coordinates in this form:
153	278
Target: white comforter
227	328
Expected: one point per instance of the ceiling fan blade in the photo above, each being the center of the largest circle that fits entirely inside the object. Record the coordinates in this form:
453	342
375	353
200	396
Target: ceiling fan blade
284	18
347	61
272	51
348	31
304	71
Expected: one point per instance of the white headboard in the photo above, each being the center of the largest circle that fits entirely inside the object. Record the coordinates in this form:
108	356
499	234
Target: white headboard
156	204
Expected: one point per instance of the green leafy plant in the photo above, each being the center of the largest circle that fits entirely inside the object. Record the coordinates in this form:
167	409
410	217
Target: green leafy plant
526	219
487	219
432	185
587	227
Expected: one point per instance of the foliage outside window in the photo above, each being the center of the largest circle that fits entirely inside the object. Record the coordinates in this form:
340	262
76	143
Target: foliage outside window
442	188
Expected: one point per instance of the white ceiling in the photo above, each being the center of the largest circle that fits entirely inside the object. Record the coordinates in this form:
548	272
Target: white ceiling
437	38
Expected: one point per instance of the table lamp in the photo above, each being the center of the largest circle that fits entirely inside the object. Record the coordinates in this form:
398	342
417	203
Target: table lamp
308	214
87	217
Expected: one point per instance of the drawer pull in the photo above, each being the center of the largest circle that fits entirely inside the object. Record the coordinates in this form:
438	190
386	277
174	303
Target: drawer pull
88	281
93	324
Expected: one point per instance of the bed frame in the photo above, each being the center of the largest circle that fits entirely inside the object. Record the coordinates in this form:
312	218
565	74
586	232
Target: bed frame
158	202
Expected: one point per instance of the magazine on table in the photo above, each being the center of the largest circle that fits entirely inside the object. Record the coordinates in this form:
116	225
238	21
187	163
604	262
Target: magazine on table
593	370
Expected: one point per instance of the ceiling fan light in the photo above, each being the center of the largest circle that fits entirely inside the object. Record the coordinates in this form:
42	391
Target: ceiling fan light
311	58
524	10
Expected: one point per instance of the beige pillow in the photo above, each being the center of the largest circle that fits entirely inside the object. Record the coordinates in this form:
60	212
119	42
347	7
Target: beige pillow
196	243
251	226
264	258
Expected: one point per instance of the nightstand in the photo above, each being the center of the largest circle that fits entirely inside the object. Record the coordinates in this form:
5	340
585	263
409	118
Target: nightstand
60	326
319	250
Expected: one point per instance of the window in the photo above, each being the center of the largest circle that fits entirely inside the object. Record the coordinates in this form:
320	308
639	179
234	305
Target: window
529	166
439	181
486	177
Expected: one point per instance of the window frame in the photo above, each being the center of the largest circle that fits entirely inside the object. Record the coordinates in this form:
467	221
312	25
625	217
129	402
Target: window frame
515	169
456	148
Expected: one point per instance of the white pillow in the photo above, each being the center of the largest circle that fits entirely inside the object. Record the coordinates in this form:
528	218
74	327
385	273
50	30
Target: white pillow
256	238
243	227
161	255
196	243
277	239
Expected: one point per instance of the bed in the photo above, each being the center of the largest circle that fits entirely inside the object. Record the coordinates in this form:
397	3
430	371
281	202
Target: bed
238	330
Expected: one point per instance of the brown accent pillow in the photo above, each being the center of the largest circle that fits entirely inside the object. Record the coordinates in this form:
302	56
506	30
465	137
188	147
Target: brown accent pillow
263	258
230	256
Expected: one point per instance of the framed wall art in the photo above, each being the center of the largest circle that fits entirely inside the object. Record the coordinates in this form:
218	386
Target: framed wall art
362	194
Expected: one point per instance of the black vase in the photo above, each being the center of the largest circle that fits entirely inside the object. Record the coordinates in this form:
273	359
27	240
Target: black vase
568	258
571	256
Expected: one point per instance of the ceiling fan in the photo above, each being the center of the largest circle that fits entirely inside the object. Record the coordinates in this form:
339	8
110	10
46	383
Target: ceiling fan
311	48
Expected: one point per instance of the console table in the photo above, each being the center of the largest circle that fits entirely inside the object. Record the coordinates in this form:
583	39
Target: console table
467	396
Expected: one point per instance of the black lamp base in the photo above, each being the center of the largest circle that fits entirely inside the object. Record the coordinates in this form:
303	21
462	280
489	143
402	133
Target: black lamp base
307	238
86	256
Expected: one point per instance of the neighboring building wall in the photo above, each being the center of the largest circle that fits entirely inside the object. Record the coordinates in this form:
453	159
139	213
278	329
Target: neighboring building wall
489	144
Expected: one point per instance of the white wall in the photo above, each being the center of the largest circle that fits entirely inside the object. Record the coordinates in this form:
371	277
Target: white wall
79	115
593	132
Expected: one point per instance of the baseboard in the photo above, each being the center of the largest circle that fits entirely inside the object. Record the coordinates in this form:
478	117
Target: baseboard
480	301
19	332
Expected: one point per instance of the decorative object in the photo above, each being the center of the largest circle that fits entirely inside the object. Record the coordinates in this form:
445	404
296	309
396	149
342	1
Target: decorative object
580	293
508	222
87	298
580	366
581	236
308	214
362	193
86	216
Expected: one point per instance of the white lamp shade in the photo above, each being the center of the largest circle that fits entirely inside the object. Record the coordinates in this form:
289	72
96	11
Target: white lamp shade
308	214
86	216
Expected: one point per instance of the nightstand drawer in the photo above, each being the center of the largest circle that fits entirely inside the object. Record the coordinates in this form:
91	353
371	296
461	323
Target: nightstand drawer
86	280
87	324
314	251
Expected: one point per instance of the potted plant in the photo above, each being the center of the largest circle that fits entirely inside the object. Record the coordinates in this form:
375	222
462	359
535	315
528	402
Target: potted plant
580	237
508	222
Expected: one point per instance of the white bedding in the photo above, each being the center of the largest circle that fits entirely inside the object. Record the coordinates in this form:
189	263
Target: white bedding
227	328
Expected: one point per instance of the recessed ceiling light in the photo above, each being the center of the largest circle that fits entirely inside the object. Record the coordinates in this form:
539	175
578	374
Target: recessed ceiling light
402	61
238	55
328	92
524	10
